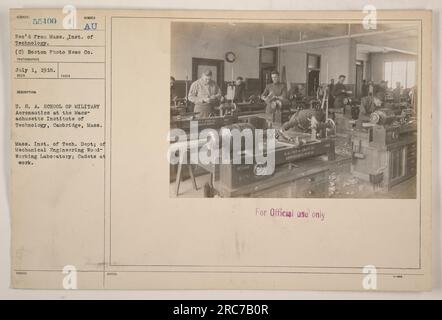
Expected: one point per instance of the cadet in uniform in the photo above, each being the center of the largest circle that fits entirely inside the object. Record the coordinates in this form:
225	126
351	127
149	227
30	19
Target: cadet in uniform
301	121
275	91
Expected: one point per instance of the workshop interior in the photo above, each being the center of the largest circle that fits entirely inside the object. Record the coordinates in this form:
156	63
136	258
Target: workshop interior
342	99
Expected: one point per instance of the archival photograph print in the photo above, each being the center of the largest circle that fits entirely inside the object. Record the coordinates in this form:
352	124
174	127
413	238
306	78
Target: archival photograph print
221	150
294	110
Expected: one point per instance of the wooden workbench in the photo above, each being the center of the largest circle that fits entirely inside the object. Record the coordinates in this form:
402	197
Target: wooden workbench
303	179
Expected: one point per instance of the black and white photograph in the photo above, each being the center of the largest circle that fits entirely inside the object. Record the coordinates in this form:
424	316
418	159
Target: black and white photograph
339	101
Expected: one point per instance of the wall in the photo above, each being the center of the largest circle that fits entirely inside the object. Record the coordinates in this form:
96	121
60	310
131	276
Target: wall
336	54
188	42
210	43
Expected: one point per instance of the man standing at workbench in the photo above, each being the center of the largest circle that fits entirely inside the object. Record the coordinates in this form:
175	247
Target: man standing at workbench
205	94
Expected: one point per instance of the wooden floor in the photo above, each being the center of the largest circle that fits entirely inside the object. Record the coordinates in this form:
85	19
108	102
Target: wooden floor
344	186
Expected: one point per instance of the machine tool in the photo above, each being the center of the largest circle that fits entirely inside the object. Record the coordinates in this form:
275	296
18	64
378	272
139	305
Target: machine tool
301	168
183	122
384	149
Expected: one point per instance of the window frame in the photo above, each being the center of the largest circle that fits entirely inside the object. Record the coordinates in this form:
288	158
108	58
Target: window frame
406	80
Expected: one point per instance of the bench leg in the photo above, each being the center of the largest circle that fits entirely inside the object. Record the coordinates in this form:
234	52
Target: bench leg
178	179
192	177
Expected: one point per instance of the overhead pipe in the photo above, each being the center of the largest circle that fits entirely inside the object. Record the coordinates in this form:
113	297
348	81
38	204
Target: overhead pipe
348	36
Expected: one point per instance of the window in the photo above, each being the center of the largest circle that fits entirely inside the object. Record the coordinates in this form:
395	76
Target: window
400	71
313	61
268	55
411	74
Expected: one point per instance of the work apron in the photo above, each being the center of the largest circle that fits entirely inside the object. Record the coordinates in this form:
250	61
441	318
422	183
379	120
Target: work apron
204	109
339	102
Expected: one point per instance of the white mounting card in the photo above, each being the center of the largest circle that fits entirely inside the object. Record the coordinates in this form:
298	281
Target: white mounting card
107	194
